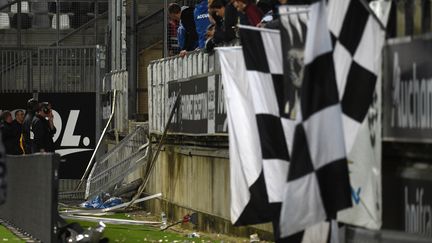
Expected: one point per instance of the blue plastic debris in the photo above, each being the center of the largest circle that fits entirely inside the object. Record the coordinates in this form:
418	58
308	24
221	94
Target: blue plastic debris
98	202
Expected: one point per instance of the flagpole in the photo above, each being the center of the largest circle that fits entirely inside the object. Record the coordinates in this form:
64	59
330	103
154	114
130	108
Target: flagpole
257	28
372	13
295	12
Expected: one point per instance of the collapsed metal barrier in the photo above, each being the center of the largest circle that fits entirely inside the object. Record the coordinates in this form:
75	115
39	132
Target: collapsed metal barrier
119	162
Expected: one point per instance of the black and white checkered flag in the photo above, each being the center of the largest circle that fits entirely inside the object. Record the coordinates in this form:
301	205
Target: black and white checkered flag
338	85
261	130
259	154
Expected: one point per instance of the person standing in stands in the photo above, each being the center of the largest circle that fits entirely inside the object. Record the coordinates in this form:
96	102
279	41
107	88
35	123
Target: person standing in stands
201	16
225	28
42	129
252	12
18	126
174	12
32	106
186	33
8	133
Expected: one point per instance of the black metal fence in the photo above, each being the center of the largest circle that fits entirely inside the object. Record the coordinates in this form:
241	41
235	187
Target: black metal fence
49	69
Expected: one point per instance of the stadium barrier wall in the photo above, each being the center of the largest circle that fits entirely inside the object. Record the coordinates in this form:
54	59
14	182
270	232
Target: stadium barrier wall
32	191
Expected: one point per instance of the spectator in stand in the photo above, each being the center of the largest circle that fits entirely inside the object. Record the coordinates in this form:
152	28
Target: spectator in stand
174	12
253	13
32	106
226	19
43	129
8	133
201	16
210	31
18	126
186	33
266	7
275	22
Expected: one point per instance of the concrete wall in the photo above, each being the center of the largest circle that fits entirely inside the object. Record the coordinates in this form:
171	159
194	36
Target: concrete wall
196	183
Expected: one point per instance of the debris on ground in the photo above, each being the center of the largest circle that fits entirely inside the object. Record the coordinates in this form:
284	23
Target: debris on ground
193	235
127	190
103	200
101	211
89	235
109	220
254	238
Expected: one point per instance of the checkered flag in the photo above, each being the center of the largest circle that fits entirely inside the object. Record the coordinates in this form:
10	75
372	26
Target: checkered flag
339	80
293	30
259	131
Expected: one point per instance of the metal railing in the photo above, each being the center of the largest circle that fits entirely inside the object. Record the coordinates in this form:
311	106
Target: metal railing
118	80
114	166
161	72
49	69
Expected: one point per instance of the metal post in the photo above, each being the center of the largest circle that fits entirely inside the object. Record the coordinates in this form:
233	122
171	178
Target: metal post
58	21
426	16
96	9
118	36
113	29
98	90
122	35
133	61
409	18
56	65
165	28
19	23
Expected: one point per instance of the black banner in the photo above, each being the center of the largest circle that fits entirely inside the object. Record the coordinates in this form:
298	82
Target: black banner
14	101
202	109
407	90
75	120
407	201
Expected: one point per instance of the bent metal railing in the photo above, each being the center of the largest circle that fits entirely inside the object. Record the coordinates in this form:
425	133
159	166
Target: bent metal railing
113	167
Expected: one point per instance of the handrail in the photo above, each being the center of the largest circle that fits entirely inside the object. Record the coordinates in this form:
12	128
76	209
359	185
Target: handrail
99	142
90	22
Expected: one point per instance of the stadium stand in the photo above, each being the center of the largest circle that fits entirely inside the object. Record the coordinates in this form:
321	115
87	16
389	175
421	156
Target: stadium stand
24	7
41	21
25	21
4	3
64	22
4	21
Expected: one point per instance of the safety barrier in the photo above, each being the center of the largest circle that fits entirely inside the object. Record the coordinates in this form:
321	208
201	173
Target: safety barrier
49	69
31	201
120	161
175	70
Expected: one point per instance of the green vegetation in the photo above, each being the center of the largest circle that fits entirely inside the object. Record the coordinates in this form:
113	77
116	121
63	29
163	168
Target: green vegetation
138	233
6	235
